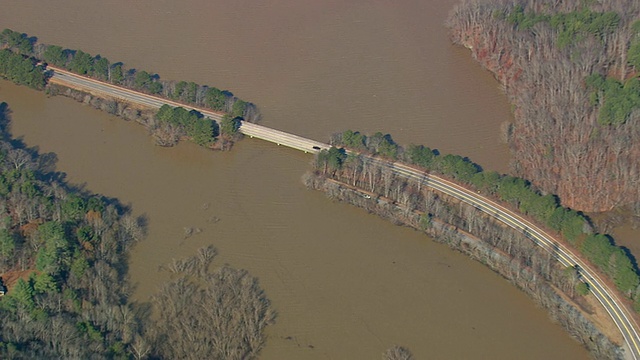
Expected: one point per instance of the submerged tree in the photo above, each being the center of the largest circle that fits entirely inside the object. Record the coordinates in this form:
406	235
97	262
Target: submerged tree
203	314
397	353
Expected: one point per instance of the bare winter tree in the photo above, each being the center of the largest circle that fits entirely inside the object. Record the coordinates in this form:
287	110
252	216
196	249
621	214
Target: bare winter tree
557	139
214	315
473	232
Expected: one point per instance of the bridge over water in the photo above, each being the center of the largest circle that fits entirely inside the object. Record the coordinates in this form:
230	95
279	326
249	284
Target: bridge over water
100	88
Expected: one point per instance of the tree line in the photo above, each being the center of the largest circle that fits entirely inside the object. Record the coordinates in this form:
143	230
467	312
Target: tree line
101	68
511	253
63	256
570	71
168	125
520	194
21	70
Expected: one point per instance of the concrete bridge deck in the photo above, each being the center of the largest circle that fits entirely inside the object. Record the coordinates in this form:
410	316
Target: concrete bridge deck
252	130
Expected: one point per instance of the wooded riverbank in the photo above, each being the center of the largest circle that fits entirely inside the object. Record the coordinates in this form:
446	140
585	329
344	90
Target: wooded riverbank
372	183
509	253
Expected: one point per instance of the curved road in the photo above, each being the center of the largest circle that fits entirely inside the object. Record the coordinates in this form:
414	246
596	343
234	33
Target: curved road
599	288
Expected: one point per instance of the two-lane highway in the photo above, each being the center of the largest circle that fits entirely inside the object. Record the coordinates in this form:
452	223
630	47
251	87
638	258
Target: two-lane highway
607	298
605	295
253	130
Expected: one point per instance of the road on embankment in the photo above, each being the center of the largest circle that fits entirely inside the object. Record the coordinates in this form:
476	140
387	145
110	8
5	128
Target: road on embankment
607	297
253	130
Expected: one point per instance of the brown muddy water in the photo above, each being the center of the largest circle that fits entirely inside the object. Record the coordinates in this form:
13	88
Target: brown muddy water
346	285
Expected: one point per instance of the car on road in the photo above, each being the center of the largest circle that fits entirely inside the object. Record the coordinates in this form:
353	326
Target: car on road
316	147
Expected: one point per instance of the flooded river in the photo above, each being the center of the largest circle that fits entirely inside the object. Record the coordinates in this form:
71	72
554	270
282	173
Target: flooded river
345	284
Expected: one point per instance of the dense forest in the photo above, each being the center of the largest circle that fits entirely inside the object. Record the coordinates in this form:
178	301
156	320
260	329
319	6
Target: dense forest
63	257
21	70
570	68
355	177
